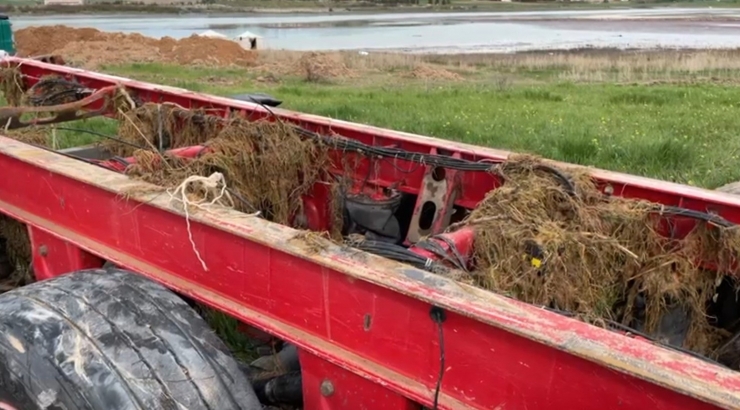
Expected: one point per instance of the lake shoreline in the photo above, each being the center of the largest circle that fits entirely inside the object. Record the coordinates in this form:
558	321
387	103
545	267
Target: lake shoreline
439	33
277	7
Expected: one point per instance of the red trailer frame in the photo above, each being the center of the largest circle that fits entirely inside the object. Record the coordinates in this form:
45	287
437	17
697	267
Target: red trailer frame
362	323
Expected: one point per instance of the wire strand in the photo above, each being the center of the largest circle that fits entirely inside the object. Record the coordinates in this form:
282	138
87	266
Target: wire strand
438	316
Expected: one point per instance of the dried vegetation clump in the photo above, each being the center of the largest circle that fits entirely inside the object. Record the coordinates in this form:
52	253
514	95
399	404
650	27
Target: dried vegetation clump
267	165
317	67
15	254
604	259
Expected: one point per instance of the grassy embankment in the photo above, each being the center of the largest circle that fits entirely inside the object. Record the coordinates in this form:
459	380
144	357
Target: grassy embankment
670	116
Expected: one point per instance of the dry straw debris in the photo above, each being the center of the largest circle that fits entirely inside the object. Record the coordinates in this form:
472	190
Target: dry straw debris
16	255
11	85
597	257
267	166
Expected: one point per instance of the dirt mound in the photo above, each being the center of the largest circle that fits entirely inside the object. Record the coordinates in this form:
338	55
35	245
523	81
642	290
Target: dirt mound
94	54
315	66
92	48
33	41
429	72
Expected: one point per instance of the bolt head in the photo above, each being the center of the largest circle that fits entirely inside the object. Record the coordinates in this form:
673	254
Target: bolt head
43	250
327	388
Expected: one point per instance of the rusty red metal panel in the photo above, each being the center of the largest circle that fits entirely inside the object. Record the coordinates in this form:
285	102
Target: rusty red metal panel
365	314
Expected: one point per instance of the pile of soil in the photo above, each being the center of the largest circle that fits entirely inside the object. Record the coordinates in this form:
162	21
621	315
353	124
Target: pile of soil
315	67
91	48
429	72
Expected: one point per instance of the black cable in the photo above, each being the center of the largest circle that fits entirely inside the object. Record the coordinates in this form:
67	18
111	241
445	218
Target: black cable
110	137
241	199
439	316
400	254
703	216
121	161
346	144
437	250
461	261
564	180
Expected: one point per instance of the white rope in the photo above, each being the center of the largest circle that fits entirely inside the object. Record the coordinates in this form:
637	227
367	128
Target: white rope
215	185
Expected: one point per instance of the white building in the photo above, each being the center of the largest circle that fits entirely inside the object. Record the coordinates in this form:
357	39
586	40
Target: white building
250	41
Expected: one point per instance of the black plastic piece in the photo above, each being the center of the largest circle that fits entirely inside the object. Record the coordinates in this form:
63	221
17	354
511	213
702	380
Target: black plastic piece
286	389
258	98
373	218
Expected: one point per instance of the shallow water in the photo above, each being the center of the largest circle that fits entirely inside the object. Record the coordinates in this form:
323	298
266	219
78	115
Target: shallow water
444	32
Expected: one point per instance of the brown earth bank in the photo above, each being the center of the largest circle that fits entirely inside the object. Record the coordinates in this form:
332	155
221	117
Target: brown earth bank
91	48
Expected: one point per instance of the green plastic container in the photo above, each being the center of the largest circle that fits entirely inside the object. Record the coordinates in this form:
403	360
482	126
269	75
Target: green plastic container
6	35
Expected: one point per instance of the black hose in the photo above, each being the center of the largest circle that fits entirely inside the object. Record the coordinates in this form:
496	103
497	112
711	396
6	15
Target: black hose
400	254
285	389
702	216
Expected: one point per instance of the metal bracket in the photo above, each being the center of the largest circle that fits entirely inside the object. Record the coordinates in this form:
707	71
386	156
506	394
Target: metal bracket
435	204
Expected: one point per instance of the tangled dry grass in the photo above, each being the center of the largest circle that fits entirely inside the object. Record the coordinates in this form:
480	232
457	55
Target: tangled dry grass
267	165
595	256
17	254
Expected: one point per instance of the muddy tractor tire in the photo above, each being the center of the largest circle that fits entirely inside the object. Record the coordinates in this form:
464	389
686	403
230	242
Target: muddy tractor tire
108	339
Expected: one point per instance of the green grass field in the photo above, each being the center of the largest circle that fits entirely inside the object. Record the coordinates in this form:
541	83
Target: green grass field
682	132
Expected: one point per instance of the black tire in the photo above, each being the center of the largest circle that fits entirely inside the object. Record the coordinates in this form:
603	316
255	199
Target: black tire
112	340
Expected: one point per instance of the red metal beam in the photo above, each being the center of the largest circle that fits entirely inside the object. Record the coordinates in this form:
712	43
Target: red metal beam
360	312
